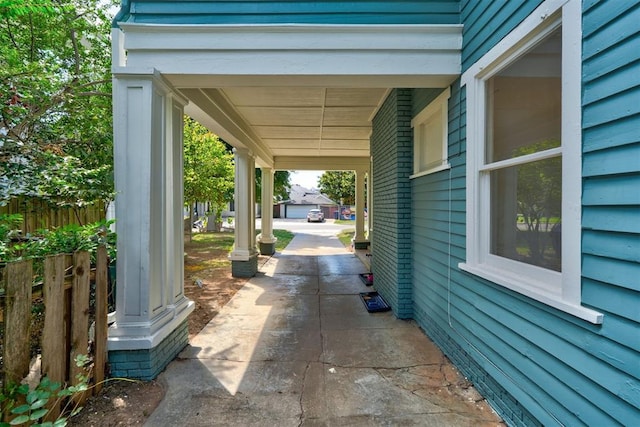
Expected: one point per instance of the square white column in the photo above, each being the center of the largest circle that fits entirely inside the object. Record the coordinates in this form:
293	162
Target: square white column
359	239
244	257
150	299
266	239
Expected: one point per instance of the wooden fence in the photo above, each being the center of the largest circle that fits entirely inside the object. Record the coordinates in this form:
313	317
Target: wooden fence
40	215
66	294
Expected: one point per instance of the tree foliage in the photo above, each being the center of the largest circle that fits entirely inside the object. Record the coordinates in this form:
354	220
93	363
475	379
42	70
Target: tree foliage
539	186
208	167
539	198
13	8
55	102
340	186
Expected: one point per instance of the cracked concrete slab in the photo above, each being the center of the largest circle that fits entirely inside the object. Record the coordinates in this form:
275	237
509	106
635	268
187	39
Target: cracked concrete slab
296	347
382	348
336	284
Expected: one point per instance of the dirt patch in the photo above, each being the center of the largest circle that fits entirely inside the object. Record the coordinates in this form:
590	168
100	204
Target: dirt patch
120	403
207	282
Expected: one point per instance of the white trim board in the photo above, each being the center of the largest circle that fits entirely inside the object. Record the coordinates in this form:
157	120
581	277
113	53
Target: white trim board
297	50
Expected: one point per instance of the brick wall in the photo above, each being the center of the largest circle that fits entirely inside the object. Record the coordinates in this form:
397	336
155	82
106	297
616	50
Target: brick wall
392	151
148	363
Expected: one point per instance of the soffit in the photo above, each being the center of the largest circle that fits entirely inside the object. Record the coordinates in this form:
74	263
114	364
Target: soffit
296	121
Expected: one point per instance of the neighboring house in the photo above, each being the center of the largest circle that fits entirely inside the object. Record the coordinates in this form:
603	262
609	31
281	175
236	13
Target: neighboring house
501	144
301	200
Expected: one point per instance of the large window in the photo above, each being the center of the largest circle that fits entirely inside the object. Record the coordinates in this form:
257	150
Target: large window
524	162
522	156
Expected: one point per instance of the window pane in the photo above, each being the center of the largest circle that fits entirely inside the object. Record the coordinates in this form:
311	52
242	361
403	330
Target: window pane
526	203
432	154
524	103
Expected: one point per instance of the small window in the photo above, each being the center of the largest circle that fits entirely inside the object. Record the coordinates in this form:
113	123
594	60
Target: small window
430	133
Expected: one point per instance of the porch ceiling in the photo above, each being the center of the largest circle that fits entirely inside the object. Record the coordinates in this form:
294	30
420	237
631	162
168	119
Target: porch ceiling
289	121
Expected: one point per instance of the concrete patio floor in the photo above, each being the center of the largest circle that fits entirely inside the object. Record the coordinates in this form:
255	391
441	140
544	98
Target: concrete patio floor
296	347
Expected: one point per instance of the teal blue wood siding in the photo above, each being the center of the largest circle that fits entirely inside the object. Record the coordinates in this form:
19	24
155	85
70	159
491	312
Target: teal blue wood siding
486	22
298	12
536	364
611	164
422	97
392	151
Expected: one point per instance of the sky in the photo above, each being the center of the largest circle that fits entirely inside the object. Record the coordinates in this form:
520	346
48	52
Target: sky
307	179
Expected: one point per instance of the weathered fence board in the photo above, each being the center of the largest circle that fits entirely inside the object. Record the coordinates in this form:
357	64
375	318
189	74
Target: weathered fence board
66	294
100	347
54	360
19	278
39	214
79	315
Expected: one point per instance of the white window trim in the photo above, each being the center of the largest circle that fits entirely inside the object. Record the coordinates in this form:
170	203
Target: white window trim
559	290
439	105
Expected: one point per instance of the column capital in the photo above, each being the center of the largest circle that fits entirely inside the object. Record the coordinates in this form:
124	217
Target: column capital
242	151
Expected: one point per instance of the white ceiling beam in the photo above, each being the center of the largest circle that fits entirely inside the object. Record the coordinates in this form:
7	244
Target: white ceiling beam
321	163
211	110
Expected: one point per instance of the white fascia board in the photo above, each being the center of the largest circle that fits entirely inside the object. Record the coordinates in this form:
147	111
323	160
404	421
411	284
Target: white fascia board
293	37
372	80
394	50
284	63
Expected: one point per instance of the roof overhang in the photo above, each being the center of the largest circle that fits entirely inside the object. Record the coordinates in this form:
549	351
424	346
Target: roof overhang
292	91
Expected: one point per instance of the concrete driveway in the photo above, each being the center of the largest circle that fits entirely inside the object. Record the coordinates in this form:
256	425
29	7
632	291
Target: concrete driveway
327	228
296	347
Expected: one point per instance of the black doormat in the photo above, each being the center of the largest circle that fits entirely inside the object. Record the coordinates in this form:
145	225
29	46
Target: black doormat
367	278
373	302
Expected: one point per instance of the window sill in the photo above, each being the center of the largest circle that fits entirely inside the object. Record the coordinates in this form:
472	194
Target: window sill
528	289
442	167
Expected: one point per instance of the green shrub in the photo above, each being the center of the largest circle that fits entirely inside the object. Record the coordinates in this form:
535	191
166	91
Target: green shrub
34	409
66	239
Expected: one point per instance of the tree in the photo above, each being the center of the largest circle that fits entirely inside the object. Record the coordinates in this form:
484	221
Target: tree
208	168
539	198
13	8
340	186
55	102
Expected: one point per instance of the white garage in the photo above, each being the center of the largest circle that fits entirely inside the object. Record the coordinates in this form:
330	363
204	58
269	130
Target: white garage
298	211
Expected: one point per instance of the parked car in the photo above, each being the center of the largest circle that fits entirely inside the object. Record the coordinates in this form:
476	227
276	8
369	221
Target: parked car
315	215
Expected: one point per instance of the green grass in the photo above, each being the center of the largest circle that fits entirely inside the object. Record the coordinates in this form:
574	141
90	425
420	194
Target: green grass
223	241
344	221
284	237
220	241
210	250
346	236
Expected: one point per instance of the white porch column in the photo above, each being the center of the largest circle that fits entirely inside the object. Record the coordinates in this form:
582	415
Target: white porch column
252	211
150	301
369	206
244	257
359	239
266	239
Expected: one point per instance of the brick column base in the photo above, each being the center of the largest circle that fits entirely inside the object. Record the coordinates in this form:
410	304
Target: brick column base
146	364
267	248
247	268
